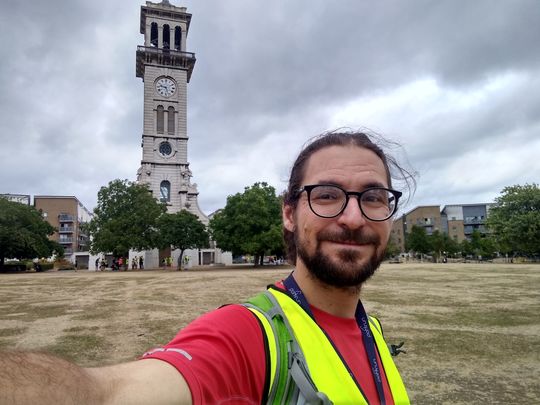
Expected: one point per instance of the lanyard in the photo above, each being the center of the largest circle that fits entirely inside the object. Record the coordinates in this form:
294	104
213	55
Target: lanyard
361	319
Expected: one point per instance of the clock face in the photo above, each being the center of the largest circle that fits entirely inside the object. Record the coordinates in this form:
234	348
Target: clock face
165	148
165	87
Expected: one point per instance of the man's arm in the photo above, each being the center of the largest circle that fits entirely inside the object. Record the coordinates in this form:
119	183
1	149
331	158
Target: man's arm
29	378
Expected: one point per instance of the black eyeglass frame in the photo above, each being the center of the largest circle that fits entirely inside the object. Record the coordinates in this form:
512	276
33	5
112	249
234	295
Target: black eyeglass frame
307	188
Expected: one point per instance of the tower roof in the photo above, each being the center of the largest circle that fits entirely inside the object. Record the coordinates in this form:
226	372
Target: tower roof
165	10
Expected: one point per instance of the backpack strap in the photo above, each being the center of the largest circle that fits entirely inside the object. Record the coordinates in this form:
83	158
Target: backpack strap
290	381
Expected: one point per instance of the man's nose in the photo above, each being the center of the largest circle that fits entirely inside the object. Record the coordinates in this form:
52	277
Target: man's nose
352	216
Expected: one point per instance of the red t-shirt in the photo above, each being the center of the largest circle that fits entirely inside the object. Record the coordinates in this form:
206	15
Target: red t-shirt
221	355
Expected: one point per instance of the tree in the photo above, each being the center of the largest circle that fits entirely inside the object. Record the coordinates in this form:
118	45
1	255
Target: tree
125	218
182	230
250	223
24	233
437	241
514	220
442	244
417	240
392	250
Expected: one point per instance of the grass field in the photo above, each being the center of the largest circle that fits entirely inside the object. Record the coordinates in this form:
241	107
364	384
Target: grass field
471	331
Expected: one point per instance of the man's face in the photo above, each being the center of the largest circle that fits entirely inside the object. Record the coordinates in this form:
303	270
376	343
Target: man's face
346	250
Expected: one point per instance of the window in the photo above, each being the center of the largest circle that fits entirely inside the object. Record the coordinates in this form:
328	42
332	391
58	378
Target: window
165	148
160	119
170	120
178	38
166	37
154	35
165	191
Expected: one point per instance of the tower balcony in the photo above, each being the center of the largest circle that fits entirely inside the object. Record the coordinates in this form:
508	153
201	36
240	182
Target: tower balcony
164	57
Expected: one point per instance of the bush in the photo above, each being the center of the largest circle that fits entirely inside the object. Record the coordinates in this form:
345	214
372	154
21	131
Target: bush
64	264
13	267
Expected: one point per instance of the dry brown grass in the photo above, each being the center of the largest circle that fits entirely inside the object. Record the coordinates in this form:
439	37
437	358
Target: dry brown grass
471	331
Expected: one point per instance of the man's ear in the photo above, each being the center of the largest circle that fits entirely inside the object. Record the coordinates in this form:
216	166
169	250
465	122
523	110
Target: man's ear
287	213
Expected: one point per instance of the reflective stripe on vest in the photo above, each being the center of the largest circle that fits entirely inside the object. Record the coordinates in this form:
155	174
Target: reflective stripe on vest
324	365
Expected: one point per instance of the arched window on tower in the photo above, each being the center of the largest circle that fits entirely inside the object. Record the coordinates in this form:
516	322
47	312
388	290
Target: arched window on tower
166	36
178	38
170	120
165	191
160	119
154	34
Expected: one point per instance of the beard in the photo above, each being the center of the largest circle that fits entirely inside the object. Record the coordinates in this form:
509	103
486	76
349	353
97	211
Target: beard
344	270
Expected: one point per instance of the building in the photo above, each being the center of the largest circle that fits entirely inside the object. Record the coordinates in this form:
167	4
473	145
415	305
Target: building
462	220
457	221
427	217
397	234
165	66
20	198
67	214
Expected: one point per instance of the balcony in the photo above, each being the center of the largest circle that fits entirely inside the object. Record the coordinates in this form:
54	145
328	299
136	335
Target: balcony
65	241
66	218
474	221
65	229
425	222
164	57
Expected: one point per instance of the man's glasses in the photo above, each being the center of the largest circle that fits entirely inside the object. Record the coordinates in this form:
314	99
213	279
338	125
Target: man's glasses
328	201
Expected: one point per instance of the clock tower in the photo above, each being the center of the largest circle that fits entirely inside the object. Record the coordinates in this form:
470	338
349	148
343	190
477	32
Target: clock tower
165	68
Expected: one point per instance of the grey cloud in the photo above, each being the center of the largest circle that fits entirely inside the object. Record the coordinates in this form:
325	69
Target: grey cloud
265	72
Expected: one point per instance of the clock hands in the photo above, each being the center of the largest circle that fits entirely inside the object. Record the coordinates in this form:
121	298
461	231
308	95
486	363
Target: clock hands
165	87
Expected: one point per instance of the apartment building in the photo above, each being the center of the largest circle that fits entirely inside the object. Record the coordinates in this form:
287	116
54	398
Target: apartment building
66	214
462	220
458	221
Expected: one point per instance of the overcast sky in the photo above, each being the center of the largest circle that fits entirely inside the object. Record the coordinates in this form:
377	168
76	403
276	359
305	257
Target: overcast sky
457	83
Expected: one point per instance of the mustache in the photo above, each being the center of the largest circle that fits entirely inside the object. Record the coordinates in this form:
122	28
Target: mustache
349	235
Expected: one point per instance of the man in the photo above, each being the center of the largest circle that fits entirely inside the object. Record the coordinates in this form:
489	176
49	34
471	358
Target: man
306	340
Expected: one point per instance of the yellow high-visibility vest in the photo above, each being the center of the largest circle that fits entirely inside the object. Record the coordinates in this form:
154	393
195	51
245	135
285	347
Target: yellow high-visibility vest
304	366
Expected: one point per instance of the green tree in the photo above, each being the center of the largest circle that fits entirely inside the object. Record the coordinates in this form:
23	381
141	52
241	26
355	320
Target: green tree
451	246
250	223
479	245
125	218
466	248
514	220
441	244
417	240
437	241
24	233
182	230
488	247
392	250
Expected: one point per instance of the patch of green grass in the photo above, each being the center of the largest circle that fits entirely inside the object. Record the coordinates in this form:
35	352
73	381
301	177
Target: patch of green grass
454	386
105	309
81	329
82	348
480	317
31	312
6	332
452	345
